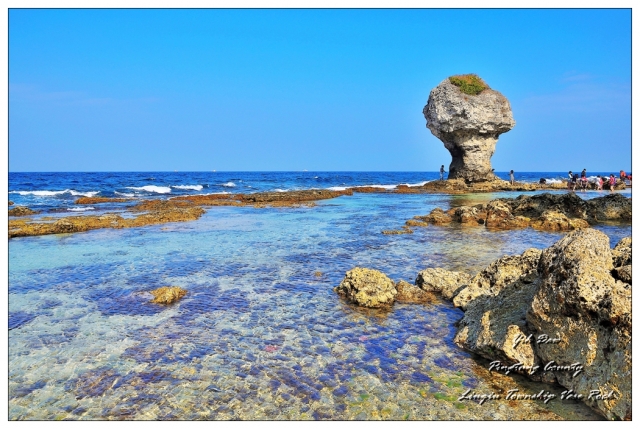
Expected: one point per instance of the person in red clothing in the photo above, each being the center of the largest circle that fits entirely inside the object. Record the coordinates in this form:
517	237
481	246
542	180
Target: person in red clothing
612	182
623	175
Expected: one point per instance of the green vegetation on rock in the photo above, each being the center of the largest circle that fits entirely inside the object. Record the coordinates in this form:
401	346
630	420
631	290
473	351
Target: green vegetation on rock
469	83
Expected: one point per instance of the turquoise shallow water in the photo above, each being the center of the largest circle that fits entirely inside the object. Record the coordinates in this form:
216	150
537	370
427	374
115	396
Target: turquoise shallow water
260	334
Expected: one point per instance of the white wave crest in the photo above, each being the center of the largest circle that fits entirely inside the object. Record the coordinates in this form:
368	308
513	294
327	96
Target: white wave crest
280	190
84	194
80	209
152	188
204	195
124	194
54	193
192	187
342	188
229	184
411	185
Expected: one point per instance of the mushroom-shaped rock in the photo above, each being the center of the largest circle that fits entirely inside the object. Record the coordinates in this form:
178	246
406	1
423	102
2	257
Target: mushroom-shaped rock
367	288
468	116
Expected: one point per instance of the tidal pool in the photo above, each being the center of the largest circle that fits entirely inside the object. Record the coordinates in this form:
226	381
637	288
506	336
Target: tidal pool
260	334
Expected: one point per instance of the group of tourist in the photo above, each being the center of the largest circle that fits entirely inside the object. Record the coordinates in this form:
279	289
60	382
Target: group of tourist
600	182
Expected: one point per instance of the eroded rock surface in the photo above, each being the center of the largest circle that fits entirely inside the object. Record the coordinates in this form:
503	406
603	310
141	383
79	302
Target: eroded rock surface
368	288
21	211
445	282
497	276
546	212
167	294
469	126
409	293
568	293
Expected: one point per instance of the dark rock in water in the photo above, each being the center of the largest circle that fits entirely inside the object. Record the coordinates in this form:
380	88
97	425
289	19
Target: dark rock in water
341	391
93	383
471	383
444	362
19	318
419	377
21	391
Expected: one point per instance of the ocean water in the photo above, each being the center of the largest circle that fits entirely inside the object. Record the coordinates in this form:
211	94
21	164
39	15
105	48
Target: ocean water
260	334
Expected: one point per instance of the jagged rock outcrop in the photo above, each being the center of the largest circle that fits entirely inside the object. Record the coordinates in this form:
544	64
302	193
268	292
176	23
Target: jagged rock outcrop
545	212
622	260
469	126
497	276
571	296
445	282
367	288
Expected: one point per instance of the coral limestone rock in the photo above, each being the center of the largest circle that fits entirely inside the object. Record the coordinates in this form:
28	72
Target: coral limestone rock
579	299
367	288
468	125
497	276
566	292
411	293
21	211
438	280
167	295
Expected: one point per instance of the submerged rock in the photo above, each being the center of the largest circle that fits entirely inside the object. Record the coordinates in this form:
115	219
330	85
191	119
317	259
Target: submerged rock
411	294
167	295
447	283
368	288
566	292
99	200
468	125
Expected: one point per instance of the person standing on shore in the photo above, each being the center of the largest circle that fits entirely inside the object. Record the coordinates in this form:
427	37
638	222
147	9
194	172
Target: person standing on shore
599	182
442	172
612	182
570	179
512	178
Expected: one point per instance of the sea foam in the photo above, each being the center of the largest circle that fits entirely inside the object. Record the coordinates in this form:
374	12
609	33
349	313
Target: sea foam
80	209
192	187
54	193
152	188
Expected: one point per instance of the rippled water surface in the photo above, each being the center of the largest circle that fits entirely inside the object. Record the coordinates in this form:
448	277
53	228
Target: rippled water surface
260	334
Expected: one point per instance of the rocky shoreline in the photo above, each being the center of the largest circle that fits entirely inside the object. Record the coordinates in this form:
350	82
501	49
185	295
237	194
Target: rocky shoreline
559	315
544	212
190	207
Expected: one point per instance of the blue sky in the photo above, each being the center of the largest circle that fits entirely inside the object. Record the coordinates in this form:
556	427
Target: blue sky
190	90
